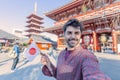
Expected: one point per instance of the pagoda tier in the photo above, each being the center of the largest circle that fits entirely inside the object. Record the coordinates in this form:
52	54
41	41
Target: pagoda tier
36	26
34	21
33	30
34	16
100	21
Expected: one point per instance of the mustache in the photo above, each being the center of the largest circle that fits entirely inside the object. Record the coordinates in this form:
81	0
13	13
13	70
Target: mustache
72	39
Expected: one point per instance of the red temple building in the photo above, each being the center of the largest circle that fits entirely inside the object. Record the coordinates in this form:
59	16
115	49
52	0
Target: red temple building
101	23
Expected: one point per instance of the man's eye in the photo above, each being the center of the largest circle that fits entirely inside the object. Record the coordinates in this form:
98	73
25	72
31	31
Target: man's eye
77	33
69	33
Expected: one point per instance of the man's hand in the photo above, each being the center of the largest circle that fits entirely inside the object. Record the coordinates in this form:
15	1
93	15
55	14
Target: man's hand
45	60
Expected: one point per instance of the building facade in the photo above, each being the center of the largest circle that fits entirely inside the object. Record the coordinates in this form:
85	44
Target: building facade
101	23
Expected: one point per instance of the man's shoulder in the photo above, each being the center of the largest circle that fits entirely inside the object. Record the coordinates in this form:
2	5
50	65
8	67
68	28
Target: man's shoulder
61	52
86	53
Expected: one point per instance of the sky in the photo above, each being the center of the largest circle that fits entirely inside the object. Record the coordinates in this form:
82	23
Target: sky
14	12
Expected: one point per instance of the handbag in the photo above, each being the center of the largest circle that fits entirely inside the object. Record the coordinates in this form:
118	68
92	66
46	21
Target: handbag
13	54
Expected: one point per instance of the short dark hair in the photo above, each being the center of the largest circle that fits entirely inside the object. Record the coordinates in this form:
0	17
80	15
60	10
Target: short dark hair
74	23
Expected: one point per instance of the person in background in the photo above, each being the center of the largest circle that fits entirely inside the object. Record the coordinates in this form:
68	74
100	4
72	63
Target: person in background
74	62
16	59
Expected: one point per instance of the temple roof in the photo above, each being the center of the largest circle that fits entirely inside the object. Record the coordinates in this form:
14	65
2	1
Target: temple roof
6	35
109	9
64	8
38	38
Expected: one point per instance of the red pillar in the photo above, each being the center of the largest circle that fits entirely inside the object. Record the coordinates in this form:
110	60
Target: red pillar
114	39
95	41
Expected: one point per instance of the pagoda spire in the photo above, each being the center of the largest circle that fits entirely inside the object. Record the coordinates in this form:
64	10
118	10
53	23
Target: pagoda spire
35	8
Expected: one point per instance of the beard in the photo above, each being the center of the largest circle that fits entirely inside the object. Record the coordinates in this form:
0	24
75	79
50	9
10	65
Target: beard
73	42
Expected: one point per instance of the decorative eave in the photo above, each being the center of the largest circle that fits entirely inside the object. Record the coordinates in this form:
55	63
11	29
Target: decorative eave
63	8
104	31
97	13
34	16
86	32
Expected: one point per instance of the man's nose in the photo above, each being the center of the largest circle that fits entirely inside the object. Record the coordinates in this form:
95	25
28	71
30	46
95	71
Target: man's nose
73	35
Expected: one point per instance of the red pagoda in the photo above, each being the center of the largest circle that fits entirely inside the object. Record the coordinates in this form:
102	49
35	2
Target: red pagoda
101	23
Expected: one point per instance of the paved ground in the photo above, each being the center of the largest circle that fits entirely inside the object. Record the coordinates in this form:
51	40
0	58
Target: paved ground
109	64
108	56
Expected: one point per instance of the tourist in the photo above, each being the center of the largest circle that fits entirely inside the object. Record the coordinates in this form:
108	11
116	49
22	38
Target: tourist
74	62
16	58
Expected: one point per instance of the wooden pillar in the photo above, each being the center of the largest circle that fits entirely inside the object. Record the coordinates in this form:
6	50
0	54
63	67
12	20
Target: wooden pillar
114	39
95	41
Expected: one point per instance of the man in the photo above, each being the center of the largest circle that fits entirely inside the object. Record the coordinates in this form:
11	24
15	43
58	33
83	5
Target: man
74	63
16	59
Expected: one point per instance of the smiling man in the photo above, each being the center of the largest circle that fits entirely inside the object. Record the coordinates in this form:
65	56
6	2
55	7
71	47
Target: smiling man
74	63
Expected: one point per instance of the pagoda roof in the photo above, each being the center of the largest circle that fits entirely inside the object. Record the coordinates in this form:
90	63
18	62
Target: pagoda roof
64	8
28	35
33	25
34	16
34	21
32	30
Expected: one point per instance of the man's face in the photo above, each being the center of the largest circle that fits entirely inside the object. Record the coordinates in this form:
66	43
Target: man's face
72	36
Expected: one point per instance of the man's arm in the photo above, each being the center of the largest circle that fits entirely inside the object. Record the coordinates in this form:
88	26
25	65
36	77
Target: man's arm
49	70
91	70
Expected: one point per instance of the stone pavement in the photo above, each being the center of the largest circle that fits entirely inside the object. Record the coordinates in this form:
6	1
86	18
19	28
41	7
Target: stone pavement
108	56
109	64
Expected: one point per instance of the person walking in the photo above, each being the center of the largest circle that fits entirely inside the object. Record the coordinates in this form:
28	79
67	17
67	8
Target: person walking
16	59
